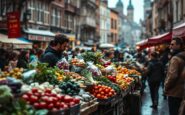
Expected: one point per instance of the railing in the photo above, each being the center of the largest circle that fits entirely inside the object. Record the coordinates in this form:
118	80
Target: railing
88	21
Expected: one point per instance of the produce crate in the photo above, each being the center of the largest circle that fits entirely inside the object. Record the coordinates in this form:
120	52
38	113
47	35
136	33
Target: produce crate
60	112
84	105
75	110
135	103
105	101
90	109
92	102
115	100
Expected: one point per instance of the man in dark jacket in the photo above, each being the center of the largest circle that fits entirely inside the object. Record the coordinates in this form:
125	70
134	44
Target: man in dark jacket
174	82
54	51
155	74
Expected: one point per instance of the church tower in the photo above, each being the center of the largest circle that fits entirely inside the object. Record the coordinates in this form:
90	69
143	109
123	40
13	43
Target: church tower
130	11
120	7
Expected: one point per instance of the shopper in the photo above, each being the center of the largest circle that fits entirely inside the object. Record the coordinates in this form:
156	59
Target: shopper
3	58
54	51
33	56
13	59
155	74
164	59
174	81
23	59
109	55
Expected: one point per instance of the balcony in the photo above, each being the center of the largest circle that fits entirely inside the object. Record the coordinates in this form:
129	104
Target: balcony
88	21
70	8
77	11
89	3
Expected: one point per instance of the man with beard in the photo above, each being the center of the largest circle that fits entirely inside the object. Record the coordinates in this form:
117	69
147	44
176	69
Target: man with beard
174	82
54	51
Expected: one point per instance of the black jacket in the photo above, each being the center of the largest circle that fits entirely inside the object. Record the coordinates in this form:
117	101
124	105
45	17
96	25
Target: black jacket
22	63
51	57
155	71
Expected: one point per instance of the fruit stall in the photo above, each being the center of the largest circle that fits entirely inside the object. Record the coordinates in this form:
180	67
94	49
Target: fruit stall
81	86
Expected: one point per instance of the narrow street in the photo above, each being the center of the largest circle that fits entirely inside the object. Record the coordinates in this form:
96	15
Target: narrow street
146	102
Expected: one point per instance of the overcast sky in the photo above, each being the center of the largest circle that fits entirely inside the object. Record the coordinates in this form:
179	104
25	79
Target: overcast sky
138	7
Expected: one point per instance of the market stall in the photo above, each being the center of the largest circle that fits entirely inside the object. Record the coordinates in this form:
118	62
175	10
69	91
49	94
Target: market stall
142	44
14	43
87	85
163	38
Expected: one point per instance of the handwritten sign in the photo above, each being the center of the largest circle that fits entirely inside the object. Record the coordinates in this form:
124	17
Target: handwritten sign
13	23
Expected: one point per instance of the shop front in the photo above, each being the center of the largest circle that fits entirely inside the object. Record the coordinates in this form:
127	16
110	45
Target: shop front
40	38
13	43
72	39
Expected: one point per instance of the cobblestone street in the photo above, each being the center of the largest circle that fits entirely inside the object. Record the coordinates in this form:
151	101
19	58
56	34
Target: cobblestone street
146	102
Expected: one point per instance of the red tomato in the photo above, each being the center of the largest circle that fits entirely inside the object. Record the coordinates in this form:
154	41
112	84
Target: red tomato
49	100
60	97
47	94
33	99
62	104
34	90
53	95
77	101
50	106
54	109
44	98
71	104
29	93
68	99
55	99
65	106
37	94
25	97
47	90
36	105
57	104
42	105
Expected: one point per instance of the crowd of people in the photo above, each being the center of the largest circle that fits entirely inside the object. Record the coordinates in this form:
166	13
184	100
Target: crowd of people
165	68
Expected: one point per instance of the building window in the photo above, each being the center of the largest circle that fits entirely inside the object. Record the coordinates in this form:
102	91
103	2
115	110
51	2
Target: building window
70	22
112	23
112	37
177	12
5	7
56	17
39	11
115	24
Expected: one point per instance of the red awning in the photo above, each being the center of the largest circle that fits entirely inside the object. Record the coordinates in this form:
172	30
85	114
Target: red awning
166	37
142	44
179	31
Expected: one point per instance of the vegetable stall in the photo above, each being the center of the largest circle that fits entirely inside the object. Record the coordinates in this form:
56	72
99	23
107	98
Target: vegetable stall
88	84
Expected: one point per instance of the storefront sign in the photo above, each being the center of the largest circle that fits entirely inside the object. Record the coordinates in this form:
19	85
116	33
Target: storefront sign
39	38
13	23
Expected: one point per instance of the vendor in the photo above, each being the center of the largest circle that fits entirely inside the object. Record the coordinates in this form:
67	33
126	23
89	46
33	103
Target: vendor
55	49
109	55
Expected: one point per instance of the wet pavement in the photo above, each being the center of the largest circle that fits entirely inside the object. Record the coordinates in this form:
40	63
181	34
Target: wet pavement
146	103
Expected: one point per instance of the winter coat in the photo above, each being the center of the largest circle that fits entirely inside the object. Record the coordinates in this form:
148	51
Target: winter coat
174	83
51	57
155	71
